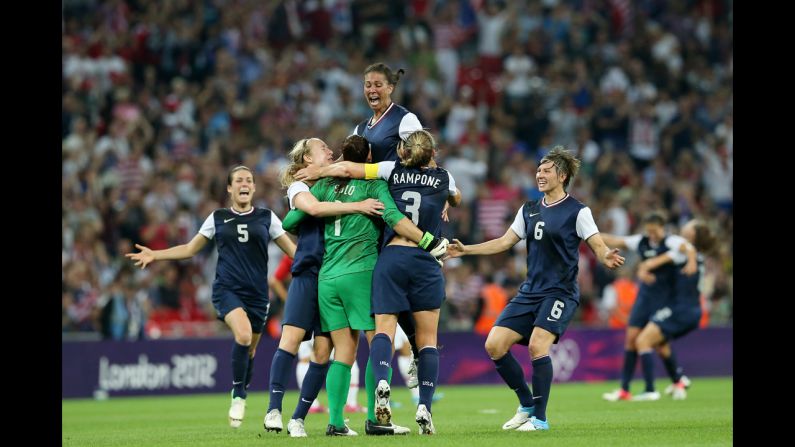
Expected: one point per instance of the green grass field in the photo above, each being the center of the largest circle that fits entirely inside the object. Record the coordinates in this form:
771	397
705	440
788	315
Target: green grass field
467	415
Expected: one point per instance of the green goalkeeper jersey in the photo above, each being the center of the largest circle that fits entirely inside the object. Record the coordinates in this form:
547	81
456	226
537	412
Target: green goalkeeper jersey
351	239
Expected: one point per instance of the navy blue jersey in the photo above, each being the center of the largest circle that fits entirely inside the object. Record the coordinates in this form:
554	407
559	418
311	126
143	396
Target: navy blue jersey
553	233
419	193
385	134
242	241
687	288
310	248
661	289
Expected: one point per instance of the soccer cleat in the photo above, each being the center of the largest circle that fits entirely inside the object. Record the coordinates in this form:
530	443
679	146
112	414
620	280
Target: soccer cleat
413	381
424	420
647	396
331	430
273	421
236	412
354	409
684	380
617	395
680	391
522	415
383	414
375	429
295	427
534	424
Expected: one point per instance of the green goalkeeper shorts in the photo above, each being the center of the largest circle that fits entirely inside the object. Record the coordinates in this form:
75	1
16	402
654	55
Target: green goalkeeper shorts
345	302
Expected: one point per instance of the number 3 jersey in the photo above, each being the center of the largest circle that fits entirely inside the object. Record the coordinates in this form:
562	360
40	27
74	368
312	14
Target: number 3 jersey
242	240
553	233
420	193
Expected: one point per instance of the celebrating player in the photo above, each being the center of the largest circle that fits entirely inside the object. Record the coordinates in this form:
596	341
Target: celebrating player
651	297
240	290
682	312
545	304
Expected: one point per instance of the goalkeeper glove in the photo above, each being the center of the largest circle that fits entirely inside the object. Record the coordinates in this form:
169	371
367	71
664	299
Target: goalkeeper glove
437	247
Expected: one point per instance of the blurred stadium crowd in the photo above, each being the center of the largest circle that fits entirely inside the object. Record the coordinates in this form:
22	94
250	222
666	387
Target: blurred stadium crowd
162	97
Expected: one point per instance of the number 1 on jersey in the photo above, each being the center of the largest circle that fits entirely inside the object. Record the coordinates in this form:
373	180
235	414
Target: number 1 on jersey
338	223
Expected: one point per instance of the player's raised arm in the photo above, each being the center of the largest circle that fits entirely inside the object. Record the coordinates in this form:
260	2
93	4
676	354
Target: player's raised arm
183	251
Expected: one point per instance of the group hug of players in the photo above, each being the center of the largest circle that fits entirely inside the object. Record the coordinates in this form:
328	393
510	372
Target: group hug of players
369	256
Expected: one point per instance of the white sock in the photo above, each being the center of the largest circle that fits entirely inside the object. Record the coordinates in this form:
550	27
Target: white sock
415	393
300	372
404	363
353	392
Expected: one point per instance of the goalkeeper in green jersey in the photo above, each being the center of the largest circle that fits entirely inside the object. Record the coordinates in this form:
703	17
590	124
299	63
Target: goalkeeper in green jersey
345	278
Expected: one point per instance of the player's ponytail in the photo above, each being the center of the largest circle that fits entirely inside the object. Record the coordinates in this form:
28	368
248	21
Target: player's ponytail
418	149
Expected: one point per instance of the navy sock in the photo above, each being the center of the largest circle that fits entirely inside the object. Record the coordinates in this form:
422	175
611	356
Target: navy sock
630	358
249	372
428	374
313	380
280	372
513	375
542	383
380	356
240	361
647	363
674	371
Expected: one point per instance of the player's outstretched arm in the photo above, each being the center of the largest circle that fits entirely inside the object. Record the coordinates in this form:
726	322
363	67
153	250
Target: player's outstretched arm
308	203
613	241
347	169
184	251
691	266
499	245
608	257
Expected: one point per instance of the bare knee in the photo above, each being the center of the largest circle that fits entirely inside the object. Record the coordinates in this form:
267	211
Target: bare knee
496	348
243	338
321	351
631	339
291	338
537	349
422	340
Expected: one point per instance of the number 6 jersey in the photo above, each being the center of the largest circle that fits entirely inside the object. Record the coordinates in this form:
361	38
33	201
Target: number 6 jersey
553	233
